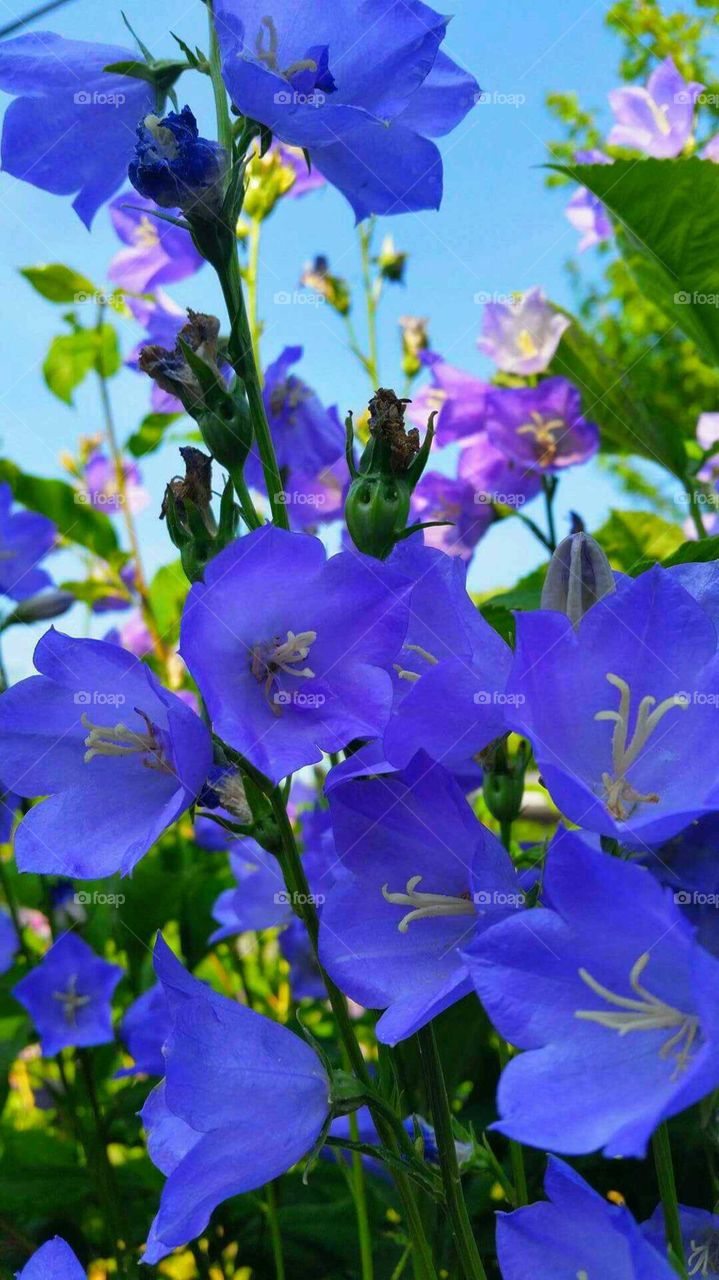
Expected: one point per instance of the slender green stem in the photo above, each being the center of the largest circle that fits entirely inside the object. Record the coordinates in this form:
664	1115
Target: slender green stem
298	888
271	1208
105	1173
366	232
38	12
516	1152
668	1191
360	1199
252	273
549	486
465	1244
695	510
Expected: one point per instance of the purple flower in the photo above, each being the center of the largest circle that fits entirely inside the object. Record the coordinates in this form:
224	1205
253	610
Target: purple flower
68	996
133	635
259	901
71	127
163	320
158	252
291	651
102	486
522	335
420	875
307	436
243	1099
687	864
711	150
658	119
613	1000
700	1234
451	658
541	427
25	537
119	758
306	180
313	500
573	1232
496	477
361	89
456	396
708	430
306	981
9	942
455	503
588	215
176	168
54	1260
621	710
143	1030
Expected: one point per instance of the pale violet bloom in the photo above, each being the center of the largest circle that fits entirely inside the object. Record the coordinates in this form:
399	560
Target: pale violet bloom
657	119
522	334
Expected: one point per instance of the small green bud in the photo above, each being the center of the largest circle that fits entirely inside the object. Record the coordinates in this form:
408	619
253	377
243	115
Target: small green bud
376	512
391	261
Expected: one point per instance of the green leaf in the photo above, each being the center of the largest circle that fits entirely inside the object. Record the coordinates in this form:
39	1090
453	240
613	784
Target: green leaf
58	283
525	594
13	1038
168	591
632	539
76	520
699	552
73	355
608	400
150	433
667	214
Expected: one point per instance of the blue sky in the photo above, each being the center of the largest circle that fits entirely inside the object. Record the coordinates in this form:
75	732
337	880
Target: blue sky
499	229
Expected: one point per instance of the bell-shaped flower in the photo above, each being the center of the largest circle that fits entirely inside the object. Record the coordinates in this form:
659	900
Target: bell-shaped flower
657	119
243	1100
522	334
420	876
54	1260
613	1000
68	996
292	651
700	1236
118	757
177	168
25	538
541	427
307	436
157	252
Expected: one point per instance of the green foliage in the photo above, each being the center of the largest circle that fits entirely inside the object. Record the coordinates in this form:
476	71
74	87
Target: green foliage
73	355
75	519
632	537
150	433
58	283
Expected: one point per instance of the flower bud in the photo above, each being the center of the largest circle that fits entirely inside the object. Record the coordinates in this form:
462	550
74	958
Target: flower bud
41	607
333	289
415	339
391	261
376	513
177	168
579	574
267	179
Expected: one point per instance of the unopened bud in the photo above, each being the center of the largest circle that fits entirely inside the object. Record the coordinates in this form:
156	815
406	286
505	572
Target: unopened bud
391	261
44	605
579	575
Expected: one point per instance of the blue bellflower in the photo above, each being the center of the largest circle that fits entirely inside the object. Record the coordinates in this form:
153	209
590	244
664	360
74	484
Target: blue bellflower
175	167
9	942
700	1235
243	1099
70	130
68	996
307	436
361	88
576	1233
119	757
613	999
420	875
54	1260
25	538
143	1030
621	710
290	651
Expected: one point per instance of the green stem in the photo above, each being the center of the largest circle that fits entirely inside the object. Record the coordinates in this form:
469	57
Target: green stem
41	9
298	888
105	1172
668	1191
360	1199
366	231
695	510
549	487
464	1240
252	277
241	352
516	1153
275	1232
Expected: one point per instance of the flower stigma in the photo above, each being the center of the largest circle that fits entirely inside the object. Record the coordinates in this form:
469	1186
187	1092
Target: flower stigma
426	905
621	797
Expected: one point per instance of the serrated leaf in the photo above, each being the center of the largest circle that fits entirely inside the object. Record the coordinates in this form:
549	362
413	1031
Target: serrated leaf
633	538
77	521
150	433
59	283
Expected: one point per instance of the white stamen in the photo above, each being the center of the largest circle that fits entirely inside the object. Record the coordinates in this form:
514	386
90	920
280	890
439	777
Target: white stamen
164	139
71	1001
647	1013
118	740
542	429
282	655
621	798
425	905
703	1259
527	346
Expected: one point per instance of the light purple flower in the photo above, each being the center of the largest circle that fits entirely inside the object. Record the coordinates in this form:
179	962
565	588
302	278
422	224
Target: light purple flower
307	436
467	517
162	319
588	215
522	335
68	996
711	150
133	635
456	396
657	119
495	476
158	252
102	487
541	427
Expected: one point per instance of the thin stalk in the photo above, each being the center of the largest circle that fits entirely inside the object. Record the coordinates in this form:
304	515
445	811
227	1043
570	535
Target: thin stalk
366	232
465	1243
298	888
695	511
133	540
360	1199
549	488
252	278
242	353
105	1172
662	1152
271	1208
27	18
516	1153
